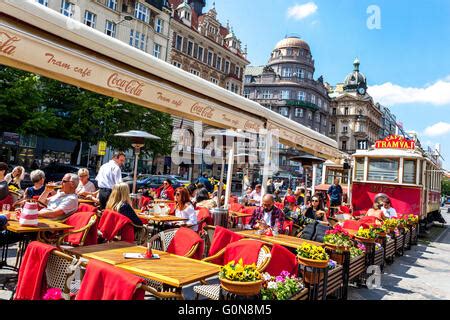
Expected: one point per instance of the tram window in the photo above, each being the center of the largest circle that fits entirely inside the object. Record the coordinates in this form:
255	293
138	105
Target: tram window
359	169
409	171
383	170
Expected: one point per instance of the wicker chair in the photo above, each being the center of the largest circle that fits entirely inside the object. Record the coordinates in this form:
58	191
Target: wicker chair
212	291
84	229
63	272
161	241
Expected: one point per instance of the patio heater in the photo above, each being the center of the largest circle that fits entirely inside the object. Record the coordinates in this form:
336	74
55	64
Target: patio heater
308	160
137	142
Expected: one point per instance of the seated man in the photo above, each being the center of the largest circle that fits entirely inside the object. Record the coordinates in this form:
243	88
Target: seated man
255	195
268	215
64	203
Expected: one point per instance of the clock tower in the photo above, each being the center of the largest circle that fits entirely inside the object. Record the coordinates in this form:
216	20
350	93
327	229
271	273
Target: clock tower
356	81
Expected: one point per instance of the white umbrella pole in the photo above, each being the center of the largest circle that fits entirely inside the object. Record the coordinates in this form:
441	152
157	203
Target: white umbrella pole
136	156
220	188
267	163
313	183
229	175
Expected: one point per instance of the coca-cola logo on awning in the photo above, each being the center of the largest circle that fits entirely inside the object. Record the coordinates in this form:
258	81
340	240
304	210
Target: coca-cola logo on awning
202	111
7	43
132	87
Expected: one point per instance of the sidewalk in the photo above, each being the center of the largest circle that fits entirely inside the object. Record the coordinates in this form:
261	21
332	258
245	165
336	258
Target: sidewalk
421	274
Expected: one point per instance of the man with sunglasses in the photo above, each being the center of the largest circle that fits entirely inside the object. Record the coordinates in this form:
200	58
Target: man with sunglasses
268	215
64	203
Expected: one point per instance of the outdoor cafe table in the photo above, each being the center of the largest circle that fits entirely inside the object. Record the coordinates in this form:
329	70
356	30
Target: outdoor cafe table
239	216
159	220
281	239
88	201
26	235
172	270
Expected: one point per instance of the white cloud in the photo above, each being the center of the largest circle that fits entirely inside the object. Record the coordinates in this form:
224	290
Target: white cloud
301	11
388	93
437	129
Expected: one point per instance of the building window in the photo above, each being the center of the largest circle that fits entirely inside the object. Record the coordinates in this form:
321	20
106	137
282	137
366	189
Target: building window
187	15
138	40
177	64
409	171
334	111
284	111
287	72
310	115
319	103
190	48
210	58
200	54
112	4
141	12
67	8
313	99
359	169
362	144
344	145
344	129
298	112
43	2
333	128
195	72
219	63
227	66
267	94
159	25
157	50
247	93
179	43
318	117
301	96
285	94
237	71
90	19
110	28
346	111
300	73
324	122
383	169
310	75
214	80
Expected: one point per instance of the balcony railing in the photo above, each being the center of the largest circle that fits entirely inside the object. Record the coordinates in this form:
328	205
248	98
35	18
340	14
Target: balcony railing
301	103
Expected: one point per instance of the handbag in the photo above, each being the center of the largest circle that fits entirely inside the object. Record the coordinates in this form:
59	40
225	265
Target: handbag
29	214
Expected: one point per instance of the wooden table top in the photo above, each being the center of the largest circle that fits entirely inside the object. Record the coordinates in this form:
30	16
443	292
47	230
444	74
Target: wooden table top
240	214
171	269
162	218
281	239
85	200
43	225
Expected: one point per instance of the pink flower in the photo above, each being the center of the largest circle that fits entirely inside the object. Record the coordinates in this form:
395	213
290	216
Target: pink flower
279	279
53	294
284	274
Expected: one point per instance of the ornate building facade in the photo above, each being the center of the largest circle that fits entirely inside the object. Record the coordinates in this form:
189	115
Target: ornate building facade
141	24
355	121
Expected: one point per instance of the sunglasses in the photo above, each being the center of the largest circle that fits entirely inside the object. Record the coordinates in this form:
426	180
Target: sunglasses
65	181
177	194
315	200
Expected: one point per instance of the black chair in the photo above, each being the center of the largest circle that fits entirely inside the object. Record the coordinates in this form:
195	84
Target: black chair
321	229
309	231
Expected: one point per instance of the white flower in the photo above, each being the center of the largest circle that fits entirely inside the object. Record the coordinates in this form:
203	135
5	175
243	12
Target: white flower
266	276
272	285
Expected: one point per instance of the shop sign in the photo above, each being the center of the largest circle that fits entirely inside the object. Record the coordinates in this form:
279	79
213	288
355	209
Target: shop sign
395	142
11	138
101	148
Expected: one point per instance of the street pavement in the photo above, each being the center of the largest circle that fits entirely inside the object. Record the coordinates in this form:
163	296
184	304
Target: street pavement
421	274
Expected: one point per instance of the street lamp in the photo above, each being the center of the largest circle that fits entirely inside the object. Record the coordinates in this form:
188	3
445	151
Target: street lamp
125	18
137	142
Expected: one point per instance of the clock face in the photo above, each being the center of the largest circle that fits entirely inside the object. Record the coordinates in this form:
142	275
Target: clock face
361	90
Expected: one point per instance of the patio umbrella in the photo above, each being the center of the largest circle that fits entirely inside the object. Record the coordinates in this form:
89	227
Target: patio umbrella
137	142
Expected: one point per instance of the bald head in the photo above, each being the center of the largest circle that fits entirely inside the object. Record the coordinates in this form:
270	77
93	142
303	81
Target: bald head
267	202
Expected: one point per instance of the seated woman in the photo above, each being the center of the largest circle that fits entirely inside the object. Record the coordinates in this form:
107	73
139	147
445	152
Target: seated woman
165	192
120	201
376	211
387	209
185	209
316	210
15	177
204	201
5	197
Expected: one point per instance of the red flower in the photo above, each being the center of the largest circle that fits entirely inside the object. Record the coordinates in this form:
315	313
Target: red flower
53	294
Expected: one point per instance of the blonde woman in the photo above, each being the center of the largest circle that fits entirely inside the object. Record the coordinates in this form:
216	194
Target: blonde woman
85	187
120	201
15	177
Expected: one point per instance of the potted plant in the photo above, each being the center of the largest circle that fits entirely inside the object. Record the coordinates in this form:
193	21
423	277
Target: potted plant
412	219
357	251
365	235
282	287
240	279
312	256
391	224
337	239
380	231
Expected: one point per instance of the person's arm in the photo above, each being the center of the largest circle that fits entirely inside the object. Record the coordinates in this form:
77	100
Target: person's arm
128	211
50	214
43	198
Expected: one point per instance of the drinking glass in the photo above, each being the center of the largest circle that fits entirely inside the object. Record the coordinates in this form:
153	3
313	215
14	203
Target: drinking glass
5	208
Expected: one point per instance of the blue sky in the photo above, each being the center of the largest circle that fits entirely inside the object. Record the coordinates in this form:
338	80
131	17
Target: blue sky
405	53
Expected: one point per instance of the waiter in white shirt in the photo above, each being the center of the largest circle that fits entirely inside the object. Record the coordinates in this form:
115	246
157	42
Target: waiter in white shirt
108	176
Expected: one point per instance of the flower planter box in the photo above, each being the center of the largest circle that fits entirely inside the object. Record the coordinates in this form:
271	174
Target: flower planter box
357	267
379	257
302	295
252	288
390	249
335	282
407	236
399	244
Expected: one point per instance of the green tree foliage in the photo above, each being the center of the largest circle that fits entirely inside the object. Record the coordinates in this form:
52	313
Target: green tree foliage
30	104
446	186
